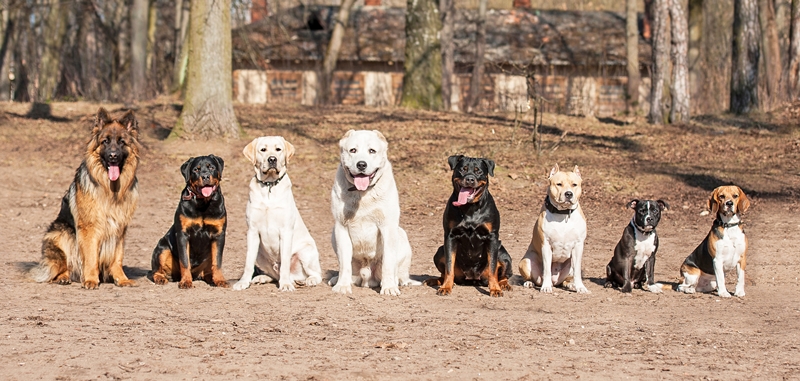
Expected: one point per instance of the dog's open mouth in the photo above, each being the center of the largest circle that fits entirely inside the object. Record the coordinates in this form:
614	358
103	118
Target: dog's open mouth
208	190
465	195
362	181
113	172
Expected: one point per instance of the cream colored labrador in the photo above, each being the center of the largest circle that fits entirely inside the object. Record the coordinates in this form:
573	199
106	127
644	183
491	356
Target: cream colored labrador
278	241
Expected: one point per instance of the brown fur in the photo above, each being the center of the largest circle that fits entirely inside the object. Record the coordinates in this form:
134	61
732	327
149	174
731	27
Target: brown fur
83	244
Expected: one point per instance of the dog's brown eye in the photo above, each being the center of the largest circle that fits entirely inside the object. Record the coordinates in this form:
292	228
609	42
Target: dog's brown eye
353	150
559	184
371	150
106	141
574	185
264	149
122	141
735	196
278	149
722	197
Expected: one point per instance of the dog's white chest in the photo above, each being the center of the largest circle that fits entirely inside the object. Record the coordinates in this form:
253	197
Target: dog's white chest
564	233
644	246
731	246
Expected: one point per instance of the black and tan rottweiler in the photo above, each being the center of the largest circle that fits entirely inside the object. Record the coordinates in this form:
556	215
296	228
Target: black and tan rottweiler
192	248
472	251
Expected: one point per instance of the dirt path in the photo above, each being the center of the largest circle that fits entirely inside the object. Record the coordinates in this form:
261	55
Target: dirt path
161	332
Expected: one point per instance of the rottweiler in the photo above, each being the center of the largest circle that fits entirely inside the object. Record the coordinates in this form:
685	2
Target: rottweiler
192	248
472	252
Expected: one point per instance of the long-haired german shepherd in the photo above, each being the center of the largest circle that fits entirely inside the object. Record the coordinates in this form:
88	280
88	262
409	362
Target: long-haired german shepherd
86	239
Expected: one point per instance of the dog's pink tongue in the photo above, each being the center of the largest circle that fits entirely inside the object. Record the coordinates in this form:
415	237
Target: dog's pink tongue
207	191
463	196
113	172
361	182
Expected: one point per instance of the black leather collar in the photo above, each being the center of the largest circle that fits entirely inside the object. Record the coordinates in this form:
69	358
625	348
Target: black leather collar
640	229
270	184
552	208
724	225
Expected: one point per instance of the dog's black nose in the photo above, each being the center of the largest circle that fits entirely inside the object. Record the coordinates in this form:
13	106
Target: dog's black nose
361	165
272	160
568	195
729	203
470	181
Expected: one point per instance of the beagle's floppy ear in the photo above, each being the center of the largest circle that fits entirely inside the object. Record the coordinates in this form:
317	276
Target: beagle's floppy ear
713	202
249	151
553	171
743	203
289	150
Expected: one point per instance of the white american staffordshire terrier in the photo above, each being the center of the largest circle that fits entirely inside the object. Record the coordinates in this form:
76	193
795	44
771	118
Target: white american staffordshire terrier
278	241
371	246
556	249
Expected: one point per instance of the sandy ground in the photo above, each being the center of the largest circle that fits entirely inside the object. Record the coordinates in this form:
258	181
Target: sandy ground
162	332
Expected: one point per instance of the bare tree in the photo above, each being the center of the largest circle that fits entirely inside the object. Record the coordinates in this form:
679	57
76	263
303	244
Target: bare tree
139	48
480	48
632	47
332	53
50	63
770	46
679	86
422	69
6	38
794	51
447	10
208	104
745	56
660	60
181	54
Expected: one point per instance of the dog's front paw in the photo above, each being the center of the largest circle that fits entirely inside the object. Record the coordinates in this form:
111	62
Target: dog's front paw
581	289
185	284
221	283
393	291
62	278
160	279
125	283
723	293
286	286
91	284
739	293
496	293
343	289
241	285
655	288
504	285
546	288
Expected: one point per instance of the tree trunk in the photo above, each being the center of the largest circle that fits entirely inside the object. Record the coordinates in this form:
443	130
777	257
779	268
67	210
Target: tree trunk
181	54
794	51
480	48
139	49
632	45
745	56
422	69
679	86
208	104
55	31
7	31
660	60
332	53
447	10
152	22
771	53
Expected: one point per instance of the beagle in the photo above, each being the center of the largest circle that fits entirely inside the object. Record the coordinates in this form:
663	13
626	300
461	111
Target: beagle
724	248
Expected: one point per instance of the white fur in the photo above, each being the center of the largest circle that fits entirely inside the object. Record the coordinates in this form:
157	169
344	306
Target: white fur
644	246
277	238
565	236
728	253
371	246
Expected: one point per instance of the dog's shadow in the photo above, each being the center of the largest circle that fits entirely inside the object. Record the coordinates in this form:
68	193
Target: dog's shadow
330	274
133	273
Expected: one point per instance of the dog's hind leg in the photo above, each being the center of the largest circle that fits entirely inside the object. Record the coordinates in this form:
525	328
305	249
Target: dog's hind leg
57	246
403	269
311	271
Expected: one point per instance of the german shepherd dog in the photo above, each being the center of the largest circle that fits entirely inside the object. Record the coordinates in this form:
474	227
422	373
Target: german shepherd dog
86	241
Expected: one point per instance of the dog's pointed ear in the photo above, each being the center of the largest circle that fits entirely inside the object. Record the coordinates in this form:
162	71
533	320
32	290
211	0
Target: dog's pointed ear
743	203
185	170
662	205
453	161
129	121
220	163
249	151
489	166
632	204
100	120
553	171
577	171
289	150
713	203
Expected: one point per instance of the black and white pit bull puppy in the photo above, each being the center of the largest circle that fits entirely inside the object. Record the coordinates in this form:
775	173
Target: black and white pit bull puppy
635	255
